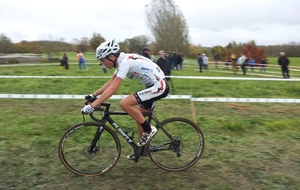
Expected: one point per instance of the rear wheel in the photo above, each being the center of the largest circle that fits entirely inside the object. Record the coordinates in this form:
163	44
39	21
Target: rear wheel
178	144
79	157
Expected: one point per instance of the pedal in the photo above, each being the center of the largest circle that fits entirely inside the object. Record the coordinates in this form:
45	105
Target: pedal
131	136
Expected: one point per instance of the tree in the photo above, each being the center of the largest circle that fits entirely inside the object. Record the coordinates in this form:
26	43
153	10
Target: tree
96	40
124	46
81	45
137	43
6	45
194	51
232	47
219	50
254	52
23	47
168	26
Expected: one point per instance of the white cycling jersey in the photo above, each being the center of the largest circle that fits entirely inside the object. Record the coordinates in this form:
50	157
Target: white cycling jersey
136	66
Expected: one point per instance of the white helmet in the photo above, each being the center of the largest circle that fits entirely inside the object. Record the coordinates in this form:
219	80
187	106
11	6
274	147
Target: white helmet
106	48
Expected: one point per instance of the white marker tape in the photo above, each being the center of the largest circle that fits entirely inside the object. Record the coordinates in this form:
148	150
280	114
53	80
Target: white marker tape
174	97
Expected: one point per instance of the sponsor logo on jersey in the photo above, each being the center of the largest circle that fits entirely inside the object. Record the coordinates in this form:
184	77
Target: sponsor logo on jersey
146	69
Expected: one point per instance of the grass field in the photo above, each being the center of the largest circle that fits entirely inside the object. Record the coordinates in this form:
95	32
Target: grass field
248	145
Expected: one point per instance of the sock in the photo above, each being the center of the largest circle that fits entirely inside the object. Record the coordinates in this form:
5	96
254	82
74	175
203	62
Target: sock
146	127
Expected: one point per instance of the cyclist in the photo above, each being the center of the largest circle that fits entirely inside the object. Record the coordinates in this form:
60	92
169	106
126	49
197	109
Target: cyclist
132	66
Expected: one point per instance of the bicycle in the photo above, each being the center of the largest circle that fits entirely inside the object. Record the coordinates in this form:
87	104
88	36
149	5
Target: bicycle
93	148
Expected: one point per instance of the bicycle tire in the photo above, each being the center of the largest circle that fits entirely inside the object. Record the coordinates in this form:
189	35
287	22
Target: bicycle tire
74	148
190	145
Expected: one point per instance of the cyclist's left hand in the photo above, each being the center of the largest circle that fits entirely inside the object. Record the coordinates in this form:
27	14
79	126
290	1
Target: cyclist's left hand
88	109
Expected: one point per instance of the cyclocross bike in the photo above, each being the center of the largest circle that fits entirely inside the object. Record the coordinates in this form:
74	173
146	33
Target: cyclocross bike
93	148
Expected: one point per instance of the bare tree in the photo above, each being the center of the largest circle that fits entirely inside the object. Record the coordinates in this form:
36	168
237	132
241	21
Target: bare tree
124	46
5	44
137	43
168	26
81	45
96	40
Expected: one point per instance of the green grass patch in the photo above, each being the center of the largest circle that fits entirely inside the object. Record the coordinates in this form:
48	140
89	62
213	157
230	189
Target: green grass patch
248	145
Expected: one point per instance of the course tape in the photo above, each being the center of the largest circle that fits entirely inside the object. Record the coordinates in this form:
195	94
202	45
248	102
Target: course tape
54	77
235	78
187	97
182	77
63	96
247	100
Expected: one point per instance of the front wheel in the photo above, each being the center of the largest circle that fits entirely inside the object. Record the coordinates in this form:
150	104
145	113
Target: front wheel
89	149
178	144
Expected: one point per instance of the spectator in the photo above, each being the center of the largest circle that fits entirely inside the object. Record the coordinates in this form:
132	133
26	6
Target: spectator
284	62
263	65
153	58
227	63
233	63
200	62
163	63
252	63
242	61
146	52
216	58
65	61
174	60
205	61
179	61
169	58
81	60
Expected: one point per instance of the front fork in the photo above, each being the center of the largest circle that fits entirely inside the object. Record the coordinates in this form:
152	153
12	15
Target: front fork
96	139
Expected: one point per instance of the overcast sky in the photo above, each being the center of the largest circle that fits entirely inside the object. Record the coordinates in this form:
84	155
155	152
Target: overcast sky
210	22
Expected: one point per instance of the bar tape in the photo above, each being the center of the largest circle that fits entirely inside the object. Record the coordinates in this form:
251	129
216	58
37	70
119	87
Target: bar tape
187	97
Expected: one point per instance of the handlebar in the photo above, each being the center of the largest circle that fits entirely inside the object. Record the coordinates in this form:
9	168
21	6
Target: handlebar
101	109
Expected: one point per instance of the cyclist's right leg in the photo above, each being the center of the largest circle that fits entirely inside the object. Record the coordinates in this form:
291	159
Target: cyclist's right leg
140	133
146	99
128	105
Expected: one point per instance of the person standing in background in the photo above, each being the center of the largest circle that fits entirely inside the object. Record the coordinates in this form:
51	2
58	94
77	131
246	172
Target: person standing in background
252	63
174	60
146	52
205	61
227	63
284	62
200	62
163	64
242	61
179	61
263	65
153	58
81	60
65	60
216	58
233	63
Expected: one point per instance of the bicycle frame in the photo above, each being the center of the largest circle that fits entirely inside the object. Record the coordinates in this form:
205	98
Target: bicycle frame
106	118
